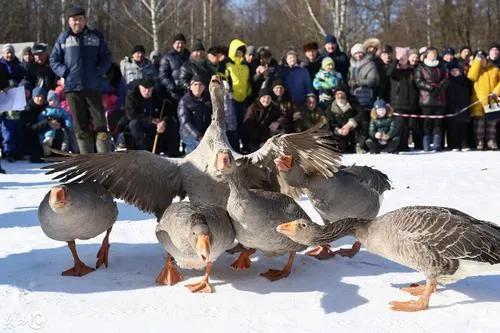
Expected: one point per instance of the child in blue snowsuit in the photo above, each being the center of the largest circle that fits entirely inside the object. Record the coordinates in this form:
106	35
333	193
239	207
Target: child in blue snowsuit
54	112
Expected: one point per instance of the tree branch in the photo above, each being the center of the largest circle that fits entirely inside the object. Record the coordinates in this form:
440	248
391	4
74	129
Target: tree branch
125	8
313	16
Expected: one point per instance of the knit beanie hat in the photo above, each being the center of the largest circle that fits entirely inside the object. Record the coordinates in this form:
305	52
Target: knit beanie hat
251	50
265	92
8	48
38	91
357	48
379	104
413	51
330	39
27	50
53	96
180	37
146	83
198	45
327	61
278	82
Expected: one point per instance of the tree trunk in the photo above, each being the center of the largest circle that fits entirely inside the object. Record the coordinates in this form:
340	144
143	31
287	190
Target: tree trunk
205	21
191	23
63	16
154	24
428	12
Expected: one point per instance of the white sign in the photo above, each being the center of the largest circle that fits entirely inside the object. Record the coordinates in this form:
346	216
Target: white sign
13	100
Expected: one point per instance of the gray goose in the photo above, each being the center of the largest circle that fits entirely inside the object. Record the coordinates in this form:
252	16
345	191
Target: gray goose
442	243
151	182
78	211
255	215
195	235
354	191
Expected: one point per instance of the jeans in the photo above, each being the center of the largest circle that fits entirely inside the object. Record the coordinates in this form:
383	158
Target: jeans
189	142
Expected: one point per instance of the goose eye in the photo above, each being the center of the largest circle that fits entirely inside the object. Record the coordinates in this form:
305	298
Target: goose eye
303	225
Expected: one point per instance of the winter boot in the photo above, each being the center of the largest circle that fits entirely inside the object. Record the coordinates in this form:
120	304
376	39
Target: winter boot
480	145
426	141
103	142
492	145
371	146
85	143
436	142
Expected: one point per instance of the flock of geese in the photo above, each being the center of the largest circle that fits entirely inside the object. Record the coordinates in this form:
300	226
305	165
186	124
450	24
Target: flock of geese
250	198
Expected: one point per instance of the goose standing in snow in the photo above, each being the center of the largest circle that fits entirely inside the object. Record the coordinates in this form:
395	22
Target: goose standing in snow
151	182
354	191
255	215
442	243
78	211
195	235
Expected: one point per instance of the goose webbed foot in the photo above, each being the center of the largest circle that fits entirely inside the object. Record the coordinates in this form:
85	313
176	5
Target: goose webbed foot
102	254
79	269
169	274
349	252
321	252
236	249
203	286
284	163
422	303
275	274
243	261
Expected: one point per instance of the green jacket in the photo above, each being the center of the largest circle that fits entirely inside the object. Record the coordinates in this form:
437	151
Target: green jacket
386	125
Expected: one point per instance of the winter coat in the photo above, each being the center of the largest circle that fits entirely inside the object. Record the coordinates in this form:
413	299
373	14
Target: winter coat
384	83
58	114
338	117
365	75
256	123
431	83
324	82
137	107
194	115
170	70
266	80
287	108
486	81
458	96
4	77
298	83
404	93
386	124
81	59
14	69
132	71
306	118
238	73
341	62
41	76
201	68
314	66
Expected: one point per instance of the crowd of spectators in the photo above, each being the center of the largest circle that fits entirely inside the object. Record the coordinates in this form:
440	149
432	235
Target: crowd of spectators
377	98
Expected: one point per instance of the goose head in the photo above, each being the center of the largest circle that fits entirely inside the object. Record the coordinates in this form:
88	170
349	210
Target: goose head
224	161
200	238
301	231
59	198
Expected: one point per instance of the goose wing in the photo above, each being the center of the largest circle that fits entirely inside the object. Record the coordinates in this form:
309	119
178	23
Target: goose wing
312	149
140	178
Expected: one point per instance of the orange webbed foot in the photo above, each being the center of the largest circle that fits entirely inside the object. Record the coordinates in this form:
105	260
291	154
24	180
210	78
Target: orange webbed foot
321	252
201	287
80	269
275	274
243	261
169	275
409	306
349	252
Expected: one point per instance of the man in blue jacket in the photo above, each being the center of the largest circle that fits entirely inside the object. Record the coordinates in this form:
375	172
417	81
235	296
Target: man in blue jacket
81	56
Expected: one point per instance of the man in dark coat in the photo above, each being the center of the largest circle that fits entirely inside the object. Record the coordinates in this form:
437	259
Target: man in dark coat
198	65
195	113
340	58
170	67
39	72
143	110
82	57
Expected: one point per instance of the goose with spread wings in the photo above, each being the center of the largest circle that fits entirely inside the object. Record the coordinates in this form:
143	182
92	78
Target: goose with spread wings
151	182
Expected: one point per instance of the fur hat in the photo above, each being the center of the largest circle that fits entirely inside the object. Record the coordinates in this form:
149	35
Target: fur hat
357	48
180	37
373	42
310	46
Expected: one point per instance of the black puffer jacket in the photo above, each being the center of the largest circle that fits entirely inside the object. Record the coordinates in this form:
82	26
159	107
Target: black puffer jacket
404	93
201	68
194	114
170	72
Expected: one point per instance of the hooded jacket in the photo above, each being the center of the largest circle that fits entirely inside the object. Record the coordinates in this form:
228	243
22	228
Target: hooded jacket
238	73
486	81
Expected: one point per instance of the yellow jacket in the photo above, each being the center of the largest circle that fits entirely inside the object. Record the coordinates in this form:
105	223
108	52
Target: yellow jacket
238	72
486	81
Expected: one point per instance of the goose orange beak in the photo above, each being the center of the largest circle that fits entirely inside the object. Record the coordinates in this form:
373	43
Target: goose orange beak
58	197
287	229
203	247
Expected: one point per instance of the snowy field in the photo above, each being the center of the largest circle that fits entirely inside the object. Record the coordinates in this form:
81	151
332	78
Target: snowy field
339	295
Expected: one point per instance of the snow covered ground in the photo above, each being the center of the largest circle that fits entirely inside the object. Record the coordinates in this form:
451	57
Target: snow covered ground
339	295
